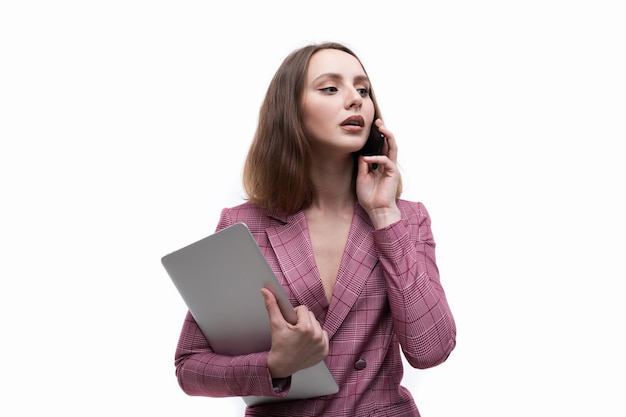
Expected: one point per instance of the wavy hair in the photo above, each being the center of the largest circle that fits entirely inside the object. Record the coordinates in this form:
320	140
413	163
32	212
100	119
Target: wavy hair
276	169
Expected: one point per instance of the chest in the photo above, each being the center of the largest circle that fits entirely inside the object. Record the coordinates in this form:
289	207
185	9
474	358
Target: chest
328	240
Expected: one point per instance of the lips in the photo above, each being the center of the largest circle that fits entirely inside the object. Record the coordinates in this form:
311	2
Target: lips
353	121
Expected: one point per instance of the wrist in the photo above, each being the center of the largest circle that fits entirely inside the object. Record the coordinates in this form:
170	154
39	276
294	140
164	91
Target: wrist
384	217
276	371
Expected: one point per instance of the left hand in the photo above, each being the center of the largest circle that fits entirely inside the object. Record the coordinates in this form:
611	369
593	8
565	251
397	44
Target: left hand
376	189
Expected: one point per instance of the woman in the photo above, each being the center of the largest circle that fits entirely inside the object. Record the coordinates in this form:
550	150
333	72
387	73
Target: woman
356	260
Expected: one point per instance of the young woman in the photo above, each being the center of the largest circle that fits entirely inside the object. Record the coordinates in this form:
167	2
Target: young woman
356	260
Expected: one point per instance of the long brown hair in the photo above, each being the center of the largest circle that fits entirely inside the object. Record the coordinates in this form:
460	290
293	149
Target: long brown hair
276	170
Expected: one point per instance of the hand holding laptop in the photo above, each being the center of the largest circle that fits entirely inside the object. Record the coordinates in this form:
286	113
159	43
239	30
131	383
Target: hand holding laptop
294	346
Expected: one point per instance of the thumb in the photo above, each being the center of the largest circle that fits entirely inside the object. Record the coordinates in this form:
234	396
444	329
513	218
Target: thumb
276	317
363	168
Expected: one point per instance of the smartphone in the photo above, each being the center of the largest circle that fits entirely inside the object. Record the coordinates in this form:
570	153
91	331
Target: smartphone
374	144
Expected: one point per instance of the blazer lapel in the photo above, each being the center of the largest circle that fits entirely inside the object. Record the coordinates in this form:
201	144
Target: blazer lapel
294	252
359	259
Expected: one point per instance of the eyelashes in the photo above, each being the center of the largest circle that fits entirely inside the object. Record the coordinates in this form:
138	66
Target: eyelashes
329	90
364	92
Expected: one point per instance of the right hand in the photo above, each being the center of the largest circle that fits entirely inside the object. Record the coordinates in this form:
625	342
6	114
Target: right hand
294	346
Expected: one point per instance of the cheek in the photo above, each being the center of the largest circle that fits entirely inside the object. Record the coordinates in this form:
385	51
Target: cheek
368	109
318	110
317	116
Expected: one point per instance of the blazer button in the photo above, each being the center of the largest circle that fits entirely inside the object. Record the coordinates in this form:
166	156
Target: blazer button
360	364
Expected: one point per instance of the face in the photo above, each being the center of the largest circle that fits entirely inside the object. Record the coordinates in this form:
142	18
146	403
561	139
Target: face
337	109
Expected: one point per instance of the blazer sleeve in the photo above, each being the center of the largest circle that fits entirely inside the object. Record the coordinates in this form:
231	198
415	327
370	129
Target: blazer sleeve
202	372
423	321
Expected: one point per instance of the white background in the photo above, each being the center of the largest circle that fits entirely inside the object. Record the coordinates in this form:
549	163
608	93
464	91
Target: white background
124	126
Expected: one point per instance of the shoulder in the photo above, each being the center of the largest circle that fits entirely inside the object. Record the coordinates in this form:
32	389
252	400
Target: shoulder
410	209
253	216
417	218
243	210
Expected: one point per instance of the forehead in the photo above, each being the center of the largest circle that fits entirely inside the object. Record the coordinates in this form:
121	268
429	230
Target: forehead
333	61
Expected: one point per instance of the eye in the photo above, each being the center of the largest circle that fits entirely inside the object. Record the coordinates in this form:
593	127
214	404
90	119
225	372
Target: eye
364	92
329	89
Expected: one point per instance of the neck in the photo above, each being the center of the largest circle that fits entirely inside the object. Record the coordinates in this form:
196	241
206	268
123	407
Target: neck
334	186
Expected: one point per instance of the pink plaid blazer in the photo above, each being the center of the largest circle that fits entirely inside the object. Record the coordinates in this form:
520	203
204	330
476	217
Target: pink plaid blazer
387	297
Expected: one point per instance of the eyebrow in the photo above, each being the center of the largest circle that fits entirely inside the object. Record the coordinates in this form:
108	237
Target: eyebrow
335	76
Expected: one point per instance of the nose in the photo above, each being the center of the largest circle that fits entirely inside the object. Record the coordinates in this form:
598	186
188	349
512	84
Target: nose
354	99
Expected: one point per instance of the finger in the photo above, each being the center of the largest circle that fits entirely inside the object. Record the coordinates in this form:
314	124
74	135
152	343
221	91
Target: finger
305	317
362	167
319	335
380	160
317	327
276	317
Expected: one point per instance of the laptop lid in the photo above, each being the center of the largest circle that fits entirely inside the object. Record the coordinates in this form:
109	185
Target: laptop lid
220	279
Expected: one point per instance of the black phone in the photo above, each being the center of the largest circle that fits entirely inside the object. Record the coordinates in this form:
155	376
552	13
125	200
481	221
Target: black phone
374	144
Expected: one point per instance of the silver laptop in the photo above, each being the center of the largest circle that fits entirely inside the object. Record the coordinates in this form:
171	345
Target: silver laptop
220	279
